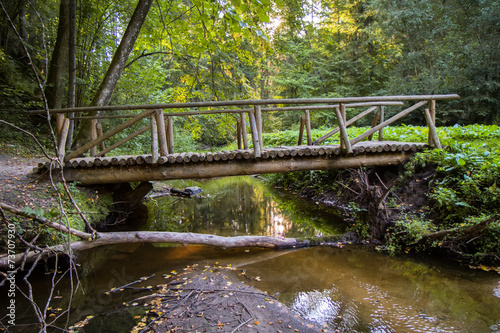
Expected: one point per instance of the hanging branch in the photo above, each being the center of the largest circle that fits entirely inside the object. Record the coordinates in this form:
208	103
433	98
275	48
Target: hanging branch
43	221
144	54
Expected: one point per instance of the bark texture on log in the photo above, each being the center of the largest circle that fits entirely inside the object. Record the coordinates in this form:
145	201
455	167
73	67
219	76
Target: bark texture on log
109	238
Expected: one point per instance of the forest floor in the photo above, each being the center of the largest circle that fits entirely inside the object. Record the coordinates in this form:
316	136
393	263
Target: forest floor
21	187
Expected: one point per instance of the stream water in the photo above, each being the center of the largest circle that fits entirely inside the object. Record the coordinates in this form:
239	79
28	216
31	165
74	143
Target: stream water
350	289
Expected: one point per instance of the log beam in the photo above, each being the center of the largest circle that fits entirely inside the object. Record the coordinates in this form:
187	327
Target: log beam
134	173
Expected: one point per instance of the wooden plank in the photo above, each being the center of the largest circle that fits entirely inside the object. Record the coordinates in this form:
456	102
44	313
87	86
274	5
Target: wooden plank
308	128
107	135
387	122
122	141
154	139
343	132
162	133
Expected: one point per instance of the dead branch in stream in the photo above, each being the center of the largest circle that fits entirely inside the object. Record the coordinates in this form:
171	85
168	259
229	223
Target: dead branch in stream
469	232
109	238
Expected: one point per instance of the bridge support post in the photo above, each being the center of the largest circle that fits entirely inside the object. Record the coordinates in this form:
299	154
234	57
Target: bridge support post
255	135
162	135
244	130
154	139
238	132
93	136
381	131
170	134
308	128
301	130
98	127
344	139
258	120
433	137
61	150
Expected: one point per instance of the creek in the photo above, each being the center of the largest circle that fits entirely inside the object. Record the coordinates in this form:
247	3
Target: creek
349	289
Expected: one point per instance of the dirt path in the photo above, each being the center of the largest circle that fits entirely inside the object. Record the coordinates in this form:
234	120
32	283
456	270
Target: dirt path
20	187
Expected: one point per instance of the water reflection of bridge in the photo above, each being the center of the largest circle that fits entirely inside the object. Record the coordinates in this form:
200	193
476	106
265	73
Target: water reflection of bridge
250	158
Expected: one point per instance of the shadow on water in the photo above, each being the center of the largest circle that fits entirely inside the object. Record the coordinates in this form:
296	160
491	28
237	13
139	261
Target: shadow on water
350	290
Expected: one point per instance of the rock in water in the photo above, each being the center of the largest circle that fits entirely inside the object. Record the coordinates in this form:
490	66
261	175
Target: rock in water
193	190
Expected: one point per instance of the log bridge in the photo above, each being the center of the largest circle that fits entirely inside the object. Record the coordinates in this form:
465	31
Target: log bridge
252	156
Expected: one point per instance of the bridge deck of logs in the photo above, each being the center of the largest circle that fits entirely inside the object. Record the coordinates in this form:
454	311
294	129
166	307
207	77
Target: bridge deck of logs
251	157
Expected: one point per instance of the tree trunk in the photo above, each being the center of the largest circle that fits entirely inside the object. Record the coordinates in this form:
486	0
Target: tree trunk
118	63
59	63
72	69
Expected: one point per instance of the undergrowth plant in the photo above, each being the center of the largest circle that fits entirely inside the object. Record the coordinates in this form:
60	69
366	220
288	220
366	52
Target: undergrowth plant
464	204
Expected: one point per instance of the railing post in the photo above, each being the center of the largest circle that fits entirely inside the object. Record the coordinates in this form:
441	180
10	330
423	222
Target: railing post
170	134
258	120
154	139
244	130
308	128
432	114
430	117
301	129
162	135
61	150
255	134
238	132
344	139
59	124
93	136
374	123
382	116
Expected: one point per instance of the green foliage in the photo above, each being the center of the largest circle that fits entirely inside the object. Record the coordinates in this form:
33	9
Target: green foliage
463	194
407	233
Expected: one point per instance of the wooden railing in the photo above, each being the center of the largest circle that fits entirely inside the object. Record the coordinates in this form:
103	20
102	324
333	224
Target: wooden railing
161	122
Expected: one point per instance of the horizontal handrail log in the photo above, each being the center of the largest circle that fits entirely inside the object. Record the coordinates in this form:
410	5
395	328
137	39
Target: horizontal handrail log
289	108
387	122
321	107
104	117
253	102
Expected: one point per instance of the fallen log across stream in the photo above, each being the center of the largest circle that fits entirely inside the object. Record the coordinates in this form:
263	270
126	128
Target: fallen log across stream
184	238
